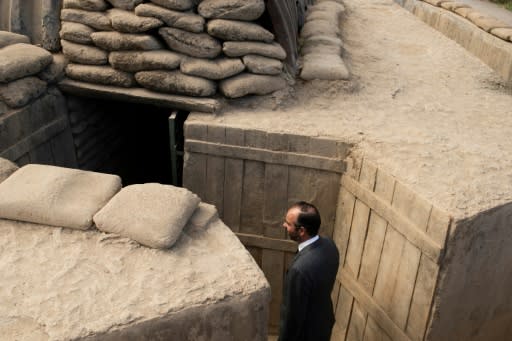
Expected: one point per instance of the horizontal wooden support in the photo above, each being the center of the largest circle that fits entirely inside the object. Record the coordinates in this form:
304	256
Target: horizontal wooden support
267	243
396	220
371	307
265	155
139	95
36	138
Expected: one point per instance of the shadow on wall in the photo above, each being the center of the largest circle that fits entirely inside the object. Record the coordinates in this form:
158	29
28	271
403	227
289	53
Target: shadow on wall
475	296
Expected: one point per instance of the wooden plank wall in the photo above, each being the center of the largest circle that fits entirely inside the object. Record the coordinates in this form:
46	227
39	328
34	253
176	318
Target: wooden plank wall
252	176
39	20
392	242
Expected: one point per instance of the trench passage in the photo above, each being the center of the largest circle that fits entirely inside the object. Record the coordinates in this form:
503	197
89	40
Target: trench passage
127	139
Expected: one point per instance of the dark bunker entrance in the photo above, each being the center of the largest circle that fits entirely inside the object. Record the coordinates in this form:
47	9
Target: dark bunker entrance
141	143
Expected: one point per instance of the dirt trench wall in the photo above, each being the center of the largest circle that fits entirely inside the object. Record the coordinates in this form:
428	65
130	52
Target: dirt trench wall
474	300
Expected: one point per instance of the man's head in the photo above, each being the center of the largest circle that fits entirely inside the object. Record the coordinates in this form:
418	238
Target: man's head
302	221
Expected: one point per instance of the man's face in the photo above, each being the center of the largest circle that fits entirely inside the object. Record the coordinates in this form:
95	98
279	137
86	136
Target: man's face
290	221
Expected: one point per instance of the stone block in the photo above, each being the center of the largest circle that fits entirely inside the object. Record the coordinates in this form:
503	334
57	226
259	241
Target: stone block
21	60
133	61
247	10
183	20
84	54
100	74
200	45
175	82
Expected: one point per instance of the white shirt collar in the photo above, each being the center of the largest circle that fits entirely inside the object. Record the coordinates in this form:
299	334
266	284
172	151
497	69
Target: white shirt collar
308	242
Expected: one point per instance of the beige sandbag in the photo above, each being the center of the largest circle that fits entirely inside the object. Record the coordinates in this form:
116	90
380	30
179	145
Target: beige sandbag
115	41
199	45
88	5
76	32
247	10
128	22
84	54
180	5
96	20
151	214
243	48
324	67
215	69
176	82
9	38
21	60
133	61
187	21
100	75
6	168
125	4
238	31
203	215
21	91
57	196
249	84
263	65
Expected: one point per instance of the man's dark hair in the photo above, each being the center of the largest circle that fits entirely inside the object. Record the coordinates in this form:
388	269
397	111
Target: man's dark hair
309	217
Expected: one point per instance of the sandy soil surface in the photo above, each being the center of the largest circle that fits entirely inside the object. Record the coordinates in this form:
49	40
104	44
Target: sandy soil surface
63	284
418	105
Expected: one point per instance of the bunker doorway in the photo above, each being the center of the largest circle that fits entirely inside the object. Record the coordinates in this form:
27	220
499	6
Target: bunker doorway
140	143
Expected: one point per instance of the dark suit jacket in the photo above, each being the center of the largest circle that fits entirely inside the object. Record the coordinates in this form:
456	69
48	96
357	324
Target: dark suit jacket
306	311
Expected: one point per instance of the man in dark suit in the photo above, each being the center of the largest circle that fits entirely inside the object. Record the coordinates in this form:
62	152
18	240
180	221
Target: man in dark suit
307	311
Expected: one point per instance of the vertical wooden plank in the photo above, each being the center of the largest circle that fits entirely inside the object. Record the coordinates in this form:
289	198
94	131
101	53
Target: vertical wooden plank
252	197
194	164
272	264
42	154
276	189
63	150
357	323
359	222
23	160
335	294
276	200
214	191
326	186
384	188
343	311
388	268
422	298
233	180
373	332
343	222
256	254
418	211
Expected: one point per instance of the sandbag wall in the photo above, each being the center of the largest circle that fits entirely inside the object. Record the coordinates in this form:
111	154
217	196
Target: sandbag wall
33	116
172	46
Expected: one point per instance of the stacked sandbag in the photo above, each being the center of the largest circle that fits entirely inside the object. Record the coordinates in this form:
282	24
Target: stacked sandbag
321	45
25	71
180	47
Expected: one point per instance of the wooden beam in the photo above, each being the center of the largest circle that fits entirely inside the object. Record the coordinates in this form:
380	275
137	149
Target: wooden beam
139	95
252	240
267	156
370	306
396	220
